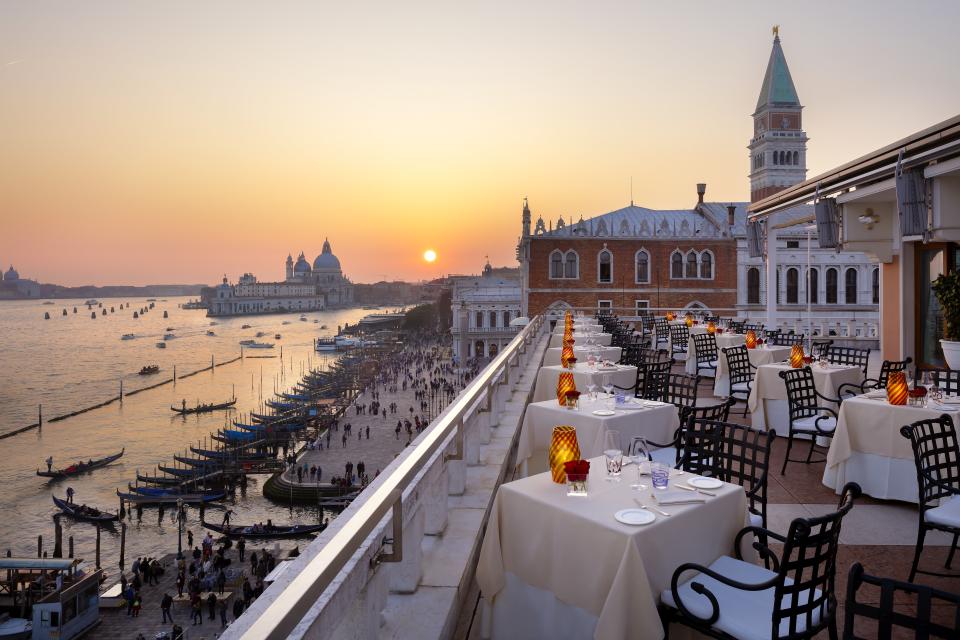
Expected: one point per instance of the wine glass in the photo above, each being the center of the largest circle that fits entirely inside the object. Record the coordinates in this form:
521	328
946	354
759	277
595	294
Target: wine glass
639	454
613	453
592	389
607	382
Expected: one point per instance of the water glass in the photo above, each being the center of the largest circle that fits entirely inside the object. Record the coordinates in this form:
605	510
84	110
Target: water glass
639	454
660	475
613	453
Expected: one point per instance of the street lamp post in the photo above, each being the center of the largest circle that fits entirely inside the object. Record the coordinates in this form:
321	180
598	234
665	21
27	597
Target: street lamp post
179	528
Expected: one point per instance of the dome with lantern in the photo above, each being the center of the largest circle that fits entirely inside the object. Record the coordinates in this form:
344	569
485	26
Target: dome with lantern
326	261
302	267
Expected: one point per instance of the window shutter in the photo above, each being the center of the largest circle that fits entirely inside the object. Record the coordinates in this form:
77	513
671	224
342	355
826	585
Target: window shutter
754	239
828	222
912	202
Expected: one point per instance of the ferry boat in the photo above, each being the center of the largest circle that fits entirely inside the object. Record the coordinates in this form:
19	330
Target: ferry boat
260	345
326	344
128	336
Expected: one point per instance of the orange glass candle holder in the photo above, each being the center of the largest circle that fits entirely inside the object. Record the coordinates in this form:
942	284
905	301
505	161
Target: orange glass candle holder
751	339
711	327
565	355
563	448
669	317
688	320
897	388
796	356
565	383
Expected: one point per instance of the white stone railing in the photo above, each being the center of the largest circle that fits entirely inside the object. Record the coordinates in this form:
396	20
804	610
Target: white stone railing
339	585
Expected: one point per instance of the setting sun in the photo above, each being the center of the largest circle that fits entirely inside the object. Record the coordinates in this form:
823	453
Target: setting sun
429	255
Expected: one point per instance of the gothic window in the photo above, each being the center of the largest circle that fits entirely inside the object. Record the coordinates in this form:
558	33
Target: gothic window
706	265
792	285
556	265
643	266
813	283
478	349
605	266
876	286
753	285
831	286
571	265
676	265
850	288
506	318
691	270
493	319
479	319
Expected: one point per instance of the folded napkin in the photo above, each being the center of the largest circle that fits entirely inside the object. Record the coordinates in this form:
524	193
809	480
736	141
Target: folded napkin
677	497
950	400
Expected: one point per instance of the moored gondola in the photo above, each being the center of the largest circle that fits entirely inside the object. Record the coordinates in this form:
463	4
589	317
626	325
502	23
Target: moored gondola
83	512
203	408
171	498
81	467
267	531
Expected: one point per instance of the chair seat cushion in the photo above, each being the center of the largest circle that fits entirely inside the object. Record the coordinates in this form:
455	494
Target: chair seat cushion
667	455
947	514
740	387
712	364
747	615
756	520
828	424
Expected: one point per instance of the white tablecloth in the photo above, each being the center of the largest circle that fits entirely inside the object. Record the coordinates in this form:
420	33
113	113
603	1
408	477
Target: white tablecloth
723	340
583	328
580	352
553	566
603	339
758	356
768	397
583	377
657	423
868	448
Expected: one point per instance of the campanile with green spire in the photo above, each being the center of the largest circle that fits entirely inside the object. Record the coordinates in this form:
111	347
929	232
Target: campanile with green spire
778	148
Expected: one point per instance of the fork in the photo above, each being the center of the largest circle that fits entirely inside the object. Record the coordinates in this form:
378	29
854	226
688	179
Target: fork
695	490
646	508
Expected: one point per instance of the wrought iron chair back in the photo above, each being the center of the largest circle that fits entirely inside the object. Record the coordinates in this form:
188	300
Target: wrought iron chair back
743	457
787	339
937	458
756	328
739	367
679	338
662	329
948	380
820	348
678	389
705	345
802	396
849	356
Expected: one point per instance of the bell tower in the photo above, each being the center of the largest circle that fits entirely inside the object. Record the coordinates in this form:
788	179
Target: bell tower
778	148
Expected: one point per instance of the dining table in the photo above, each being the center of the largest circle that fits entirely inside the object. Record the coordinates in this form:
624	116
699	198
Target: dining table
581	351
768	395
763	354
723	340
584	375
593	418
579	337
585	327
868	448
558	566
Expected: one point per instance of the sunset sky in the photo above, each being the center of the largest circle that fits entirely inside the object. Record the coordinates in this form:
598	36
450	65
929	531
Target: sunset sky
178	141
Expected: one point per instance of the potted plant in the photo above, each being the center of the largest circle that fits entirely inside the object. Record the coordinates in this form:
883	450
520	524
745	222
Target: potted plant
947	289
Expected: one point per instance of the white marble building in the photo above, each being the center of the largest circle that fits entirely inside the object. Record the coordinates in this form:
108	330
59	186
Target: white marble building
483	307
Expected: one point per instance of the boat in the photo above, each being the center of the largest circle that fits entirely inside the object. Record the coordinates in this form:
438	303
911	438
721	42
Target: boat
15	628
183	473
83	512
169	329
276	336
195	462
81	467
245	326
167	493
204	408
326	344
128	336
260	334
323	326
282	406
49	302
150	369
247	342
161	345
171	498
260	345
159	480
256	531
91	302
211	333
220	454
168	336
213	324
303	318
232	435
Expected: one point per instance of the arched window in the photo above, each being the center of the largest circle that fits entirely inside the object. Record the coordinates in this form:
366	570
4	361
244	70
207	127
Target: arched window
796	157
493	319
753	285
831	286
676	265
556	265
850	288
493	350
478	349
706	265
506	318
642	260
479	319
571	265
876	286
775	158
793	280
691	270
605	266
813	283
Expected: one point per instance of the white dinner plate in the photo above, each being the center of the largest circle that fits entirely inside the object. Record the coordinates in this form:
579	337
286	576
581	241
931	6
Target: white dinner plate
634	516
604	412
705	483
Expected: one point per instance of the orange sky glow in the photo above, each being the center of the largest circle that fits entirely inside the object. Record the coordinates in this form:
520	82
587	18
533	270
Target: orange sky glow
178	141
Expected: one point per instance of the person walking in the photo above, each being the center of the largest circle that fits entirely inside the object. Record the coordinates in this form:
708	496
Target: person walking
196	610
222	607
221	581
69	494
241	545
181	580
237	607
165	603
49	464
212	605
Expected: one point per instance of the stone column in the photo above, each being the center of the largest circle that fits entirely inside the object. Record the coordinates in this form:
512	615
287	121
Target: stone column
771	258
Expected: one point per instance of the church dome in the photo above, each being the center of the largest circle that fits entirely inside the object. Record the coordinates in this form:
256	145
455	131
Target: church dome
326	260
11	275
302	267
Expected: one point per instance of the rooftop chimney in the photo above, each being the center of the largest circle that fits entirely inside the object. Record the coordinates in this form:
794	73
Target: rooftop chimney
731	211
701	189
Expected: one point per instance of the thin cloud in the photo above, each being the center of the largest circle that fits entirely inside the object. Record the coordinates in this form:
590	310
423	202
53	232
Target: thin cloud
13	62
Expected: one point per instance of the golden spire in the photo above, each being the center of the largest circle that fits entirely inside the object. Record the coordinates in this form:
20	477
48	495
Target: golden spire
776	31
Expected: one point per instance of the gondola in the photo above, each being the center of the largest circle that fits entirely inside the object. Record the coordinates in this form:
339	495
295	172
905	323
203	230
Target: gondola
275	531
82	512
159	480
194	462
233	436
81	467
203	408
217	454
150	370
182	473
171	498
167	492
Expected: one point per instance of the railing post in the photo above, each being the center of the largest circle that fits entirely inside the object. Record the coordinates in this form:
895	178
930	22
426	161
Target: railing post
405	576
435	498
471	440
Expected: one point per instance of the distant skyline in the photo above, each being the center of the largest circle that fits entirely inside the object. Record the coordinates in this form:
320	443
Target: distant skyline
177	141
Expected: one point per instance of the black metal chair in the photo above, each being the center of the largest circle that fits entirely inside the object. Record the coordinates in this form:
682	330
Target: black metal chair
880	382
794	599
891	613
740	372
672	453
679	341
735	326
849	356
807	415
743	457
937	458
661	332
756	328
643	387
705	348
678	389
781	339
820	347
947	380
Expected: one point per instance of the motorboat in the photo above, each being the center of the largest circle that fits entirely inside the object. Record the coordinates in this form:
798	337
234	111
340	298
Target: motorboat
260	334
323	326
150	370
161	345
91	302
211	333
285	322
276	336
260	345
168	336
247	342
245	326
303	318
128	336
15	628
326	344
